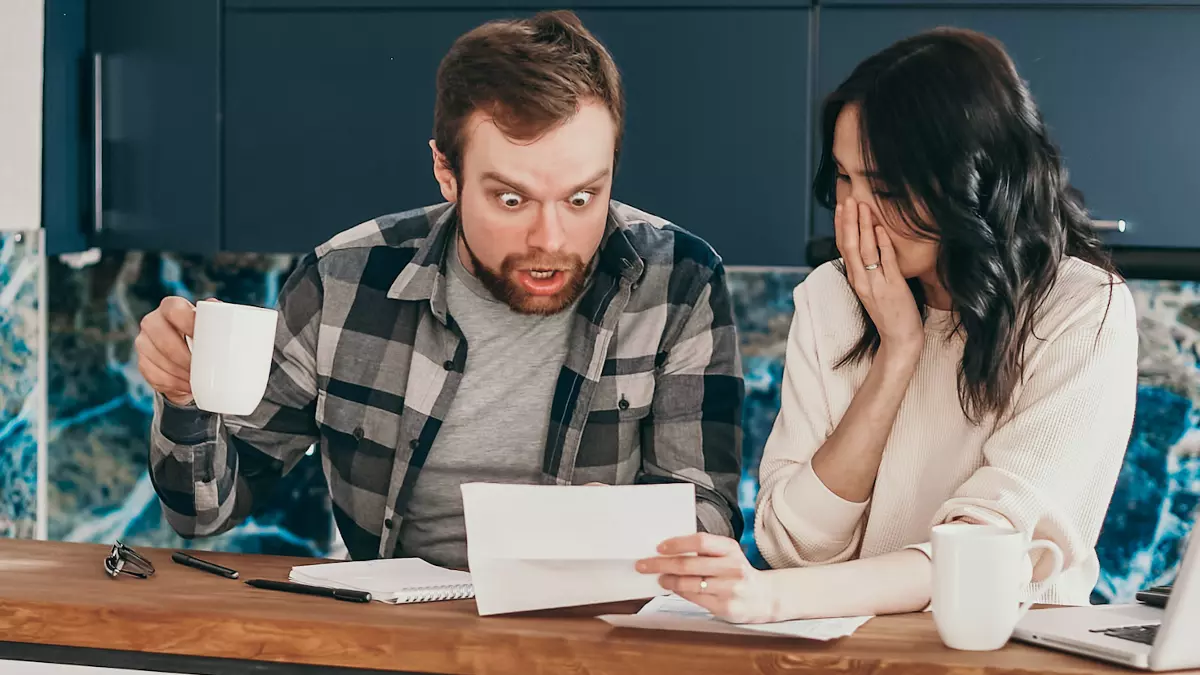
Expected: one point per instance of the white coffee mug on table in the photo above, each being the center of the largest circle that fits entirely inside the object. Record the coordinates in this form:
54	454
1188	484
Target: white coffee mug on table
980	573
231	356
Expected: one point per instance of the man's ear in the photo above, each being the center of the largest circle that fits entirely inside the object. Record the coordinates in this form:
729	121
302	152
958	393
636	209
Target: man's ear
442	173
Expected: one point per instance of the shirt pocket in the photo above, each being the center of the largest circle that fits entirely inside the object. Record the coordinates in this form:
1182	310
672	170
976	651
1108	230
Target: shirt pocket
610	448
623	397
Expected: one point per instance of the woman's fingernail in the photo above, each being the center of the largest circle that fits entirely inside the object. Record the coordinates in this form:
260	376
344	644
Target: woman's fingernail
641	566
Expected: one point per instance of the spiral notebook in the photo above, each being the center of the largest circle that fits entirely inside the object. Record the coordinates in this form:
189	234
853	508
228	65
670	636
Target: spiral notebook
393	580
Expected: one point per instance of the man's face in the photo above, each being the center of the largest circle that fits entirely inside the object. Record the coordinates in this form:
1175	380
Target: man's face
533	212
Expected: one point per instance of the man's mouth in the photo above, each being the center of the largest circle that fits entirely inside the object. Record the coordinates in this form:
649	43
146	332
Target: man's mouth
543	282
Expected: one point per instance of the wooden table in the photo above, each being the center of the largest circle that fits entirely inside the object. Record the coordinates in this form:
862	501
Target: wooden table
181	619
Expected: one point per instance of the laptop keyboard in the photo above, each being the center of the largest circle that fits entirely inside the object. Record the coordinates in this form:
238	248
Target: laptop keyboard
1156	596
1142	634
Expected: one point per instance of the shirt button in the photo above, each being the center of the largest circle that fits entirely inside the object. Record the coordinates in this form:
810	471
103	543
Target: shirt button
623	404
389	523
448	365
414	444
358	433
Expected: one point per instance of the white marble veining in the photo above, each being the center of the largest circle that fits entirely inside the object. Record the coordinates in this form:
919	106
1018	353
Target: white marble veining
20	382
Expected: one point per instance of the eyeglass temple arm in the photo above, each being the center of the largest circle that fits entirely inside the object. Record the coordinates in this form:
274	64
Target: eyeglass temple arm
138	558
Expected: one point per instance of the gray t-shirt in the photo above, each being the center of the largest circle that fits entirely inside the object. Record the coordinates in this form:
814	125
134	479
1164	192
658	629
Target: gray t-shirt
497	424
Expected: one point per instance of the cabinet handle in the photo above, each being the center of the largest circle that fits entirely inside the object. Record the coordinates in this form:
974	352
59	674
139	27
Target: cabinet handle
97	143
1110	225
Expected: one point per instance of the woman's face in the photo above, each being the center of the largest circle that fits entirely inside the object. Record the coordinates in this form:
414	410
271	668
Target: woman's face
915	255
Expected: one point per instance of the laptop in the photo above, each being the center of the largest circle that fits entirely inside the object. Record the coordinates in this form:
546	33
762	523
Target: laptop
1139	635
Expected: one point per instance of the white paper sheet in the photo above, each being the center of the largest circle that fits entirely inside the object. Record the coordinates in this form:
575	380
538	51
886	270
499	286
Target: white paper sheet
393	580
545	546
672	612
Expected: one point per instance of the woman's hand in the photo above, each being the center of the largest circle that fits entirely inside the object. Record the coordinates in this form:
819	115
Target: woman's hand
875	276
717	577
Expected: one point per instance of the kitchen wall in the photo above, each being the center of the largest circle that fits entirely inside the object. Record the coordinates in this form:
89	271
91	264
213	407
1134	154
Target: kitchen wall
21	114
99	411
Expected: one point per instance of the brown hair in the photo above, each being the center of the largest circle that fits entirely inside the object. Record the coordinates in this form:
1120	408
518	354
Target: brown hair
529	75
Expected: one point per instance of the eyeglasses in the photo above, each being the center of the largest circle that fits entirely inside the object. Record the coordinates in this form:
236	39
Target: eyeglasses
122	558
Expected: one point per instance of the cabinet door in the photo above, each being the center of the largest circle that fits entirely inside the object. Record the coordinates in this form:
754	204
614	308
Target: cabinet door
717	124
1115	85
510	5
156	74
65	128
328	116
968	3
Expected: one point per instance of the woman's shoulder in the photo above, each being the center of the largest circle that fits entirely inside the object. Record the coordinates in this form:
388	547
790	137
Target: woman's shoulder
827	294
827	310
826	282
1084	293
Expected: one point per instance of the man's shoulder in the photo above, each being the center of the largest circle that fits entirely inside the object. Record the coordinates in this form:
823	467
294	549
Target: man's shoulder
379	249
664	242
403	230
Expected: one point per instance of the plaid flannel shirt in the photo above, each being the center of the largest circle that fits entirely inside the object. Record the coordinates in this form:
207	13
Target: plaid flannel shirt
367	361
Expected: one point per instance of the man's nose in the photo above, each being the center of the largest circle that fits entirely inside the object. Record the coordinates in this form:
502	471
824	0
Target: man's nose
548	233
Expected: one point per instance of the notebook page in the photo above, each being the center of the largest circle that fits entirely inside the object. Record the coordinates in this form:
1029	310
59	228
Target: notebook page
384	579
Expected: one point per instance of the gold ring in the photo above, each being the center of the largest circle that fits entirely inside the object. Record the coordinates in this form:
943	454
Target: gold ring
872	266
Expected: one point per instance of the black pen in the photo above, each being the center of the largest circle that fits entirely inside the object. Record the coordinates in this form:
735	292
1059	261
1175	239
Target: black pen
291	587
212	568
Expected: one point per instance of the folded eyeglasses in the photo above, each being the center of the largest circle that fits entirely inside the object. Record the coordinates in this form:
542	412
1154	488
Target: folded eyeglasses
124	560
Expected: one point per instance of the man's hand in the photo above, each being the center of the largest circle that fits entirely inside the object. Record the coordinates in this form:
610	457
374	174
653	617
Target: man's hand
163	356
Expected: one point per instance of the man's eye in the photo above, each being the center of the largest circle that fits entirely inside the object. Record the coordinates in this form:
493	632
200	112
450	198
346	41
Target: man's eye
510	200
581	199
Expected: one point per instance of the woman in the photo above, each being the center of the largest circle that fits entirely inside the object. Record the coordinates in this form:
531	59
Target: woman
972	356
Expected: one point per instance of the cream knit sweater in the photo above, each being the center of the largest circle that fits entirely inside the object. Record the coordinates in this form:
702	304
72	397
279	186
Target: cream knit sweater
1048	469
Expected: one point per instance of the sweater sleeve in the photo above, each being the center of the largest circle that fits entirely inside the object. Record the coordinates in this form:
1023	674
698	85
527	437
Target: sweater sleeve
799	521
1051	466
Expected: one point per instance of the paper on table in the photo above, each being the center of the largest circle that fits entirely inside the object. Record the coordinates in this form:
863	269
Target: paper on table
674	613
543	546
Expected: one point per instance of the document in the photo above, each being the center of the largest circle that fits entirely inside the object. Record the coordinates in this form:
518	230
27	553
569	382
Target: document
672	612
546	546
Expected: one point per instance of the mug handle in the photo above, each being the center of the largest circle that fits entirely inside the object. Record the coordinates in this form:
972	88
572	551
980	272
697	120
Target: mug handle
195	310
1054	551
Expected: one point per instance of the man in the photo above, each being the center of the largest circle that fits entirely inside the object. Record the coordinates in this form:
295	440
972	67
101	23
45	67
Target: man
528	330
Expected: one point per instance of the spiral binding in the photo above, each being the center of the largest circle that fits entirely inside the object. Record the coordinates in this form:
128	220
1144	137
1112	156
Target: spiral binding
437	593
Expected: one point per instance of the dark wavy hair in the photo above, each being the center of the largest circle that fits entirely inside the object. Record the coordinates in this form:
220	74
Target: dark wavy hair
946	122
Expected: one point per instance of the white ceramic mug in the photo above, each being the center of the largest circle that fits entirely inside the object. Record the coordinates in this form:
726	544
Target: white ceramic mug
979	575
231	356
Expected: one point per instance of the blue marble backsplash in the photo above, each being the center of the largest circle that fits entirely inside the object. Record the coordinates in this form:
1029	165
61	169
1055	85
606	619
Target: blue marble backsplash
100	407
20	397
99	412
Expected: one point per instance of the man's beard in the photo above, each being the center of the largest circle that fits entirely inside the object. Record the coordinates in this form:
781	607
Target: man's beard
504	287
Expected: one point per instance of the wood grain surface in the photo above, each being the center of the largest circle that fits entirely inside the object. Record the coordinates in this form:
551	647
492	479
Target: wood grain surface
58	594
